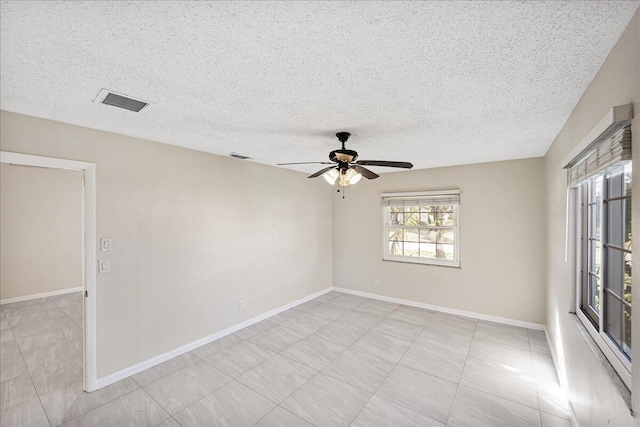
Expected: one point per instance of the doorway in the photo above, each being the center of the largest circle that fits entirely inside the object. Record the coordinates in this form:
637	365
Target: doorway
89	259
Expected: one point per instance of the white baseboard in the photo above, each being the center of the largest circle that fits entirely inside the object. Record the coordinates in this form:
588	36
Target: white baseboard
42	295
127	372
480	316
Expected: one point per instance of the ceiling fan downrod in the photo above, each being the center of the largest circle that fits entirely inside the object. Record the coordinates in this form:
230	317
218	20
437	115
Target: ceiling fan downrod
342	137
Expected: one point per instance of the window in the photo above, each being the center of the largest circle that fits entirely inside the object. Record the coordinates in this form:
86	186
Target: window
604	254
422	227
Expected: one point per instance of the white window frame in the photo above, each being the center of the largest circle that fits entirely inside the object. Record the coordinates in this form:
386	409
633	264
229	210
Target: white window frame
617	359
386	256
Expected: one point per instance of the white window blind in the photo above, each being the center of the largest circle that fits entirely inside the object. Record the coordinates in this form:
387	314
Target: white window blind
604	154
422	199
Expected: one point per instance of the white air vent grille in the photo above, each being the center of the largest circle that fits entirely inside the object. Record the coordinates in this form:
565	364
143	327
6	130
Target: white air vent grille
239	156
119	100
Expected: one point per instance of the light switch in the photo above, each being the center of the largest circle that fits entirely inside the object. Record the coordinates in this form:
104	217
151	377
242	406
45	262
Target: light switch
104	266
105	244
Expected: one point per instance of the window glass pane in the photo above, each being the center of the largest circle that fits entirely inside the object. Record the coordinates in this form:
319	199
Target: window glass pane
627	259
411	249
627	179
395	247
595	222
595	256
615	260
437	221
428	218
435	251
627	223
424	218
614	223
626	348
614	183
594	292
396	216
446	236
627	277
597	208
411	235
428	250
447	219
613	319
595	246
428	235
411	217
445	251
437	235
396	234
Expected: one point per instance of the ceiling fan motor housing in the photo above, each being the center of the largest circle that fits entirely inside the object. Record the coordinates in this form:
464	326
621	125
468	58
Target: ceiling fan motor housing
343	155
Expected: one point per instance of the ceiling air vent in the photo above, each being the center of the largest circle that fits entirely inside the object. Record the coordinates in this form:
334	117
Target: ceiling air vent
239	156
114	99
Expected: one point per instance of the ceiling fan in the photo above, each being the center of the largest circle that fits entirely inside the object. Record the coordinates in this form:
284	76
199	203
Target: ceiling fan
345	168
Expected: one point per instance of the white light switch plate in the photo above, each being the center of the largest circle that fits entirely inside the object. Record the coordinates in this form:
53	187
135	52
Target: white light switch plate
104	266
105	244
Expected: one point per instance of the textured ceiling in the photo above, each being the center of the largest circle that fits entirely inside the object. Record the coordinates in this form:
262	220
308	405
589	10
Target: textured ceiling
434	83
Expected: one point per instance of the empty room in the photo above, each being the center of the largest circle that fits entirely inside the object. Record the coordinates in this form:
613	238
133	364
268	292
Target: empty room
319	213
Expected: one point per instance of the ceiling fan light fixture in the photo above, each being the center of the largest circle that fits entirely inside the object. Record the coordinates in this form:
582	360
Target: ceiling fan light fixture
349	177
355	178
331	176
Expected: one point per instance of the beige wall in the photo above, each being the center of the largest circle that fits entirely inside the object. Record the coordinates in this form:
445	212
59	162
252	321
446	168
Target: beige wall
40	230
501	240
192	232
594	400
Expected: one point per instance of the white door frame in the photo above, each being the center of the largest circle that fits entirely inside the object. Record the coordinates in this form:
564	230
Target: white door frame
89	256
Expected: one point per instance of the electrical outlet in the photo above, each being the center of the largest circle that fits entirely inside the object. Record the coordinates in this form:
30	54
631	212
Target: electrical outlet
241	304
376	282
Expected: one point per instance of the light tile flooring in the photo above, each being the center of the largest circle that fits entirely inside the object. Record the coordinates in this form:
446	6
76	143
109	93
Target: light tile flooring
338	360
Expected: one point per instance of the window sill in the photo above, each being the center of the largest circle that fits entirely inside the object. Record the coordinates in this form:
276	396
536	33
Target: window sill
606	366
428	264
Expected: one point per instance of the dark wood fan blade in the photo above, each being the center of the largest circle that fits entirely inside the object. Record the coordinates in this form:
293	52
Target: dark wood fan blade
320	172
405	165
365	172
305	163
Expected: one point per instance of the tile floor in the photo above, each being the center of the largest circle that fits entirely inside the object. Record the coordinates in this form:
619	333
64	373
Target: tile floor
338	360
